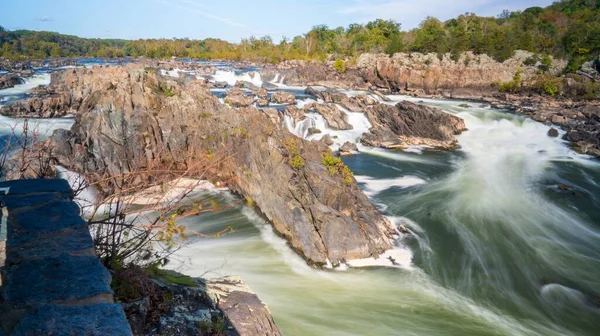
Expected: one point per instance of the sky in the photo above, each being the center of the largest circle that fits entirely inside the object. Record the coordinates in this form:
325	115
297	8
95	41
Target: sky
229	19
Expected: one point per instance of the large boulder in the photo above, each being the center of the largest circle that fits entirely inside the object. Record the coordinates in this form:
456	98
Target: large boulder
10	80
237	98
325	217
407	123
282	97
335	118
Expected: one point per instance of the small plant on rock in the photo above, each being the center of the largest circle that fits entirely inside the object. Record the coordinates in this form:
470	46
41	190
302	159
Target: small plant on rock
335	166
296	161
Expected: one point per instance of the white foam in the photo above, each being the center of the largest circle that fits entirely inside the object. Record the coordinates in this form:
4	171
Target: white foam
230	77
30	83
375	186
397	257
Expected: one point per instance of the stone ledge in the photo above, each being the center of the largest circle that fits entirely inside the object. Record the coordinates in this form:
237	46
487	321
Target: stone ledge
55	279
100	319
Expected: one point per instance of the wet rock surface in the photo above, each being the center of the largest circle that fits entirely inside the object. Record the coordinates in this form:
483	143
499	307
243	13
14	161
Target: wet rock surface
335	118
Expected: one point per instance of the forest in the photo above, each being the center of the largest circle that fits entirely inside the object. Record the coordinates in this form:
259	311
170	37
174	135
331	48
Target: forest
566	29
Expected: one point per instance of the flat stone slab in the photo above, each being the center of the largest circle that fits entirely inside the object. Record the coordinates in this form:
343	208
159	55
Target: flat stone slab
24	226
96	320
56	279
73	241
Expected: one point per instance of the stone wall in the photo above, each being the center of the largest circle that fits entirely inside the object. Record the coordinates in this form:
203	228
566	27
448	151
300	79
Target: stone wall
52	281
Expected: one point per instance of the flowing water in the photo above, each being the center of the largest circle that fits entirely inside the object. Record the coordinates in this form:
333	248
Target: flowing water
505	239
505	236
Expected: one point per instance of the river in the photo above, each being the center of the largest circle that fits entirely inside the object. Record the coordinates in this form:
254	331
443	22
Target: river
505	236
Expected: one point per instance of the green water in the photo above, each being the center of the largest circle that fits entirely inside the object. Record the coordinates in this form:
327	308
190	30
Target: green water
498	247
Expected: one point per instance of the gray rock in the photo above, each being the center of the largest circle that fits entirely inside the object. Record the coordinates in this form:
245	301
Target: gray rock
335	118
282	97
313	130
553	133
411	124
327	140
221	85
311	215
10	80
348	148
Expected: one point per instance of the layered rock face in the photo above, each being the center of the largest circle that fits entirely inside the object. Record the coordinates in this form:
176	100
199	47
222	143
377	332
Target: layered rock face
129	115
407	123
470	74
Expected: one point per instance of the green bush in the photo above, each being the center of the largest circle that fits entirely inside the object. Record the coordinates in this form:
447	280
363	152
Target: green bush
532	60
340	65
547	84
514	85
335	166
296	161
591	90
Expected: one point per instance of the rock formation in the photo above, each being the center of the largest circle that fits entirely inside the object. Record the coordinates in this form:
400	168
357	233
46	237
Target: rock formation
407	123
128	117
335	118
10	80
282	97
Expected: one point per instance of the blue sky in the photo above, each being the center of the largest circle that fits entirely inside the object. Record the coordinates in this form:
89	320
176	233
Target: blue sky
228	19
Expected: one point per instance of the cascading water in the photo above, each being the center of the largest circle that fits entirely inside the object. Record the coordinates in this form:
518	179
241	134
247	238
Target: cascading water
505	235
231	77
499	248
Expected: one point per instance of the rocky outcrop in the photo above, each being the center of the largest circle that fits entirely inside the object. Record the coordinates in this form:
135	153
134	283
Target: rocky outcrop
10	80
237	98
282	97
407	123
295	113
18	66
348	148
352	104
579	119
335	118
324	217
298	72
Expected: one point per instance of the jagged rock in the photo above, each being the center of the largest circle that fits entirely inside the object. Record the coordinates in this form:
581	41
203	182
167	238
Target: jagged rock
237	98
326	139
348	148
313	130
220	85
282	97
248	315
382	96
39	107
246	85
335	118
407	123
306	205
262	102
553	133
294	112
273	115
10	80
262	93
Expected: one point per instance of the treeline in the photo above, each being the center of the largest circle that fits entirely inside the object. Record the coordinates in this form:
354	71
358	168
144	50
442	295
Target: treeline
566	29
